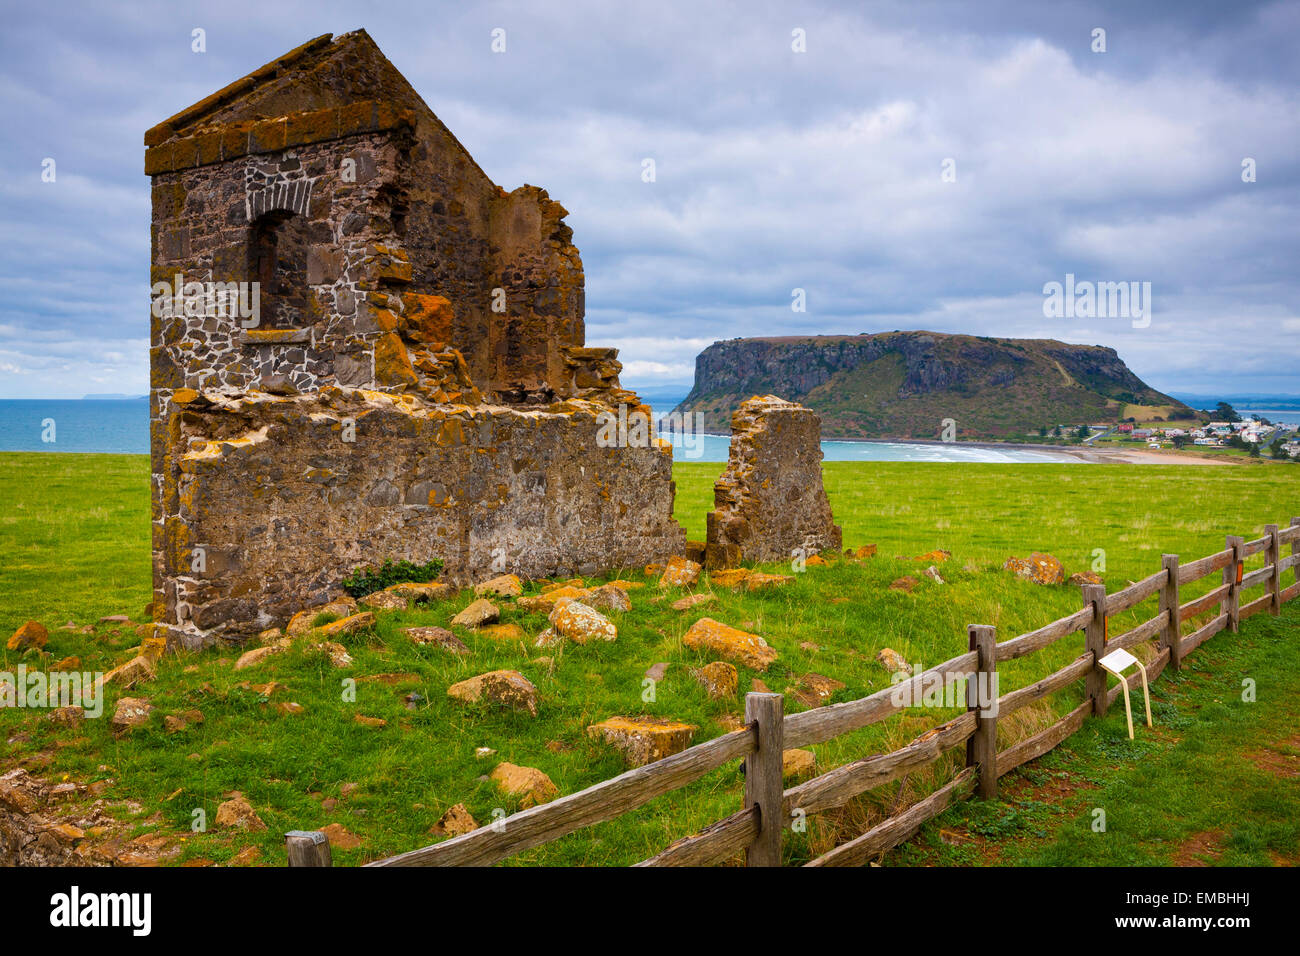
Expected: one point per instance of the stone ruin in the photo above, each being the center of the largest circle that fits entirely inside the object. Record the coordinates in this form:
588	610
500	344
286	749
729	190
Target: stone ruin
769	505
364	349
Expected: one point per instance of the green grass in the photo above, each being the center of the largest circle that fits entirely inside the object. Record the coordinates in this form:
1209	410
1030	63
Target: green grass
74	545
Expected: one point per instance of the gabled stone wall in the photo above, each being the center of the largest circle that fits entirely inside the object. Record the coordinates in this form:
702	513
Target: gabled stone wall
397	289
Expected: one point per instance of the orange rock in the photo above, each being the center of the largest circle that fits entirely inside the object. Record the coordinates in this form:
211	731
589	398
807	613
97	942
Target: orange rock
729	578
679	573
797	763
237	813
31	634
731	643
905	583
349	625
454	822
1038	567
938	556
757	580
580	623
505	688
720	679
340	837
503	632
534	786
644	740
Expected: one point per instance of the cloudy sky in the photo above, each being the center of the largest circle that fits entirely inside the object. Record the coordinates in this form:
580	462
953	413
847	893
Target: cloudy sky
775	169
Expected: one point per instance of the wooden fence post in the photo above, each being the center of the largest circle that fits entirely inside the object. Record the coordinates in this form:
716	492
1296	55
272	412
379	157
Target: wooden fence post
308	848
1295	550
763	786
982	747
1095	641
1273	555
1232	578
1169	603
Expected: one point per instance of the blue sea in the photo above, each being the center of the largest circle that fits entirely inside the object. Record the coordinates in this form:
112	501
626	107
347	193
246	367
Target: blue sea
95	425
122	427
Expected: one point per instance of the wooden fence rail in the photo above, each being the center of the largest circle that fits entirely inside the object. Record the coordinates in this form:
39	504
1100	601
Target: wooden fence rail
756	829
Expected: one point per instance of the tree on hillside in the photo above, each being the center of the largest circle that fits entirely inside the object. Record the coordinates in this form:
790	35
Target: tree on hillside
1082	433
1057	431
1223	412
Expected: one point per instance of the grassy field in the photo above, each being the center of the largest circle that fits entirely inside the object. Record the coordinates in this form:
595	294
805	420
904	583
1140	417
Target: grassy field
74	546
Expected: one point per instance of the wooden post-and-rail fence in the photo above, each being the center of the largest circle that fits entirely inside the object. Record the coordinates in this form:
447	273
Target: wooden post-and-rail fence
756	828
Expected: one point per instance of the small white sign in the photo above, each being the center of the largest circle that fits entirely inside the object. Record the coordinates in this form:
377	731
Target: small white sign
1118	661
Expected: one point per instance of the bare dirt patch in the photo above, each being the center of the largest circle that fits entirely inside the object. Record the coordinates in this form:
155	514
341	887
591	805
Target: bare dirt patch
1200	849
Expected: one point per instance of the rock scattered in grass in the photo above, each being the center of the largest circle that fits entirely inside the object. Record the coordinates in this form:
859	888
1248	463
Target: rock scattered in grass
643	740
527	782
437	636
477	614
504	688
730	643
580	623
31	634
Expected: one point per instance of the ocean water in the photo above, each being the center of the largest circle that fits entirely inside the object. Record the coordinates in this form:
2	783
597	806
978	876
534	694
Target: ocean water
122	427
68	425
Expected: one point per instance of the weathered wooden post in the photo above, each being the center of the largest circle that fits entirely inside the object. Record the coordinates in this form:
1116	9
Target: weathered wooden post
1169	604
1232	578
982	748
1273	555
1295	551
1095	641
763	788
308	848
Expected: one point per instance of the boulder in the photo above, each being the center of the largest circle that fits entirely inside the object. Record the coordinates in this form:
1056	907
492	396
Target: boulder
728	642
349	625
758	580
609	597
503	632
134	671
527	782
255	656
421	593
933	574
454	822
656	672
679	573
340	837
1039	568
938	556
439	637
893	661
796	764
906	583
691	600
384	601
813	690
643	740
1080	578
505	688
237	813
505	585
580	623
31	634
131	713
337	653
719	680
478	613
729	577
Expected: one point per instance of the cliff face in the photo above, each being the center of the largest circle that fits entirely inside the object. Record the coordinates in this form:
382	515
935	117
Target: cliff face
903	384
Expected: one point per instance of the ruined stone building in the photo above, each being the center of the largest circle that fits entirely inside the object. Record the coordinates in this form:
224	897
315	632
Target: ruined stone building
363	349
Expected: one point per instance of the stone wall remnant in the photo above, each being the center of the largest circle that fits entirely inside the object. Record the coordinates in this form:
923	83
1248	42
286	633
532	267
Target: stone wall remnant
769	504
364	349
